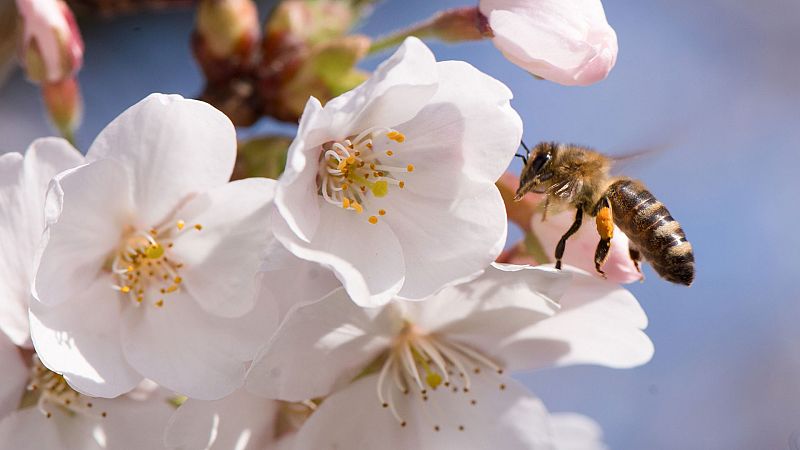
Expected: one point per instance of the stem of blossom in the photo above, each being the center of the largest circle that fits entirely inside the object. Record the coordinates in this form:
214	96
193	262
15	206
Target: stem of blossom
453	25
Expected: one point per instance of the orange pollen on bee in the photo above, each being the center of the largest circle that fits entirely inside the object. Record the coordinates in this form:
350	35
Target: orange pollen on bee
144	263
605	223
352	175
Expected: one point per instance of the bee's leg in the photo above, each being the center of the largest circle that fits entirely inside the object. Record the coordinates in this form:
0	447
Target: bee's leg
605	228
636	257
563	242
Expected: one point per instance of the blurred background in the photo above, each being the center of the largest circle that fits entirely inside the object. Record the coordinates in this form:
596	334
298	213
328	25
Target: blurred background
716	81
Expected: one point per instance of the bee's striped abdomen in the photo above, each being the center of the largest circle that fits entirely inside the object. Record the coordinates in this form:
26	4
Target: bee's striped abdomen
648	224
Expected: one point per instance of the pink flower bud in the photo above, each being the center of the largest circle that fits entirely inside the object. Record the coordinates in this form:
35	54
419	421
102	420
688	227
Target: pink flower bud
566	41
64	105
52	48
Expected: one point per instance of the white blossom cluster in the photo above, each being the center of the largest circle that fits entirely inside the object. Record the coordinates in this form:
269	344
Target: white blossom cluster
148	302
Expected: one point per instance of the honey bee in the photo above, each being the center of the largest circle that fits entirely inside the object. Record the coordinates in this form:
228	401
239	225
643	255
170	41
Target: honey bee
578	177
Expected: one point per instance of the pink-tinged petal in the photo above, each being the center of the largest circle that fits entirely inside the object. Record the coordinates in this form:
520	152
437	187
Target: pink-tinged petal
599	323
366	258
575	432
569	42
239	421
15	376
87	209
321	347
395	92
446	242
221	259
353	418
448	142
172	147
619	267
185	349
296	195
80	339
23	187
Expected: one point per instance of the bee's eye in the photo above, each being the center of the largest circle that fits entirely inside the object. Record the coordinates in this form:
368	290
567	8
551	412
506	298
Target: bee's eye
539	161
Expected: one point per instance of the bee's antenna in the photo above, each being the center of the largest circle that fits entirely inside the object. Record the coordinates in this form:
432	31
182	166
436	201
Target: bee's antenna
526	155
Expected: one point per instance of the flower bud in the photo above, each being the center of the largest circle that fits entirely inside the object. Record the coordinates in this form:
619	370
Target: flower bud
566	41
328	71
52	48
311	22
64	105
229	28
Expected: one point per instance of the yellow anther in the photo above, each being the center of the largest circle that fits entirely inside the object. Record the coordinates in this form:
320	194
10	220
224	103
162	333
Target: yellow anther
345	186
198	227
357	153
129	269
160	302
373	220
380	189
372	166
345	203
351	159
381	212
154	251
369	145
402	184
410	167
125	289
178	280
359	209
389	153
181	224
172	288
396	136
433	379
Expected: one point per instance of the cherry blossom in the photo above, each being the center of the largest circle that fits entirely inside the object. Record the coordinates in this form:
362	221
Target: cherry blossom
391	184
150	257
433	374
566	41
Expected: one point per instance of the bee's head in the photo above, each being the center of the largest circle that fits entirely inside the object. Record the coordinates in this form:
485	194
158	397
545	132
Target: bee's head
538	169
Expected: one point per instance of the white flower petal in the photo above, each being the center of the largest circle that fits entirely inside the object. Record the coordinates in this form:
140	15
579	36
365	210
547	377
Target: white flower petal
28	429
395	92
293	281
488	304
366	258
173	147
460	141
575	432
86	211
240	421
320	347
221	260
23	186
296	195
80	339
353	418
15	376
445	242
185	349
599	323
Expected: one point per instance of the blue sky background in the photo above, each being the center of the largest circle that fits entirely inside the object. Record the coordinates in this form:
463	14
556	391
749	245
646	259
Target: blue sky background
715	79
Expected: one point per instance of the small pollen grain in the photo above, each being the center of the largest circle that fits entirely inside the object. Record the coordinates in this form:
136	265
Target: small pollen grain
410	167
373	220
